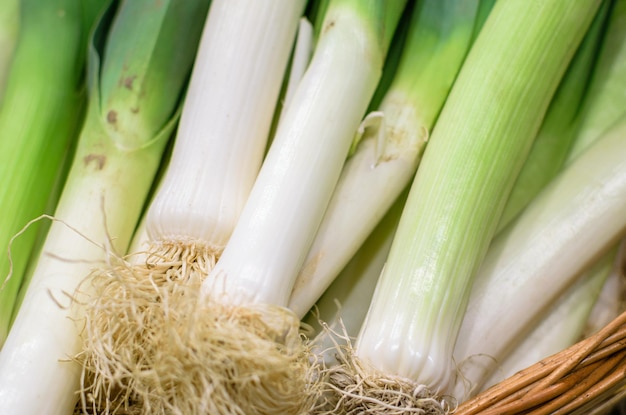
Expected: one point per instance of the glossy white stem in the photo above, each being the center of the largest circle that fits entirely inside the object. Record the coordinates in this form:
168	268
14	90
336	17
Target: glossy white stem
224	126
296	181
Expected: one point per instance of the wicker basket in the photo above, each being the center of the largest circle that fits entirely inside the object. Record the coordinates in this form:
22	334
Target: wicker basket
586	378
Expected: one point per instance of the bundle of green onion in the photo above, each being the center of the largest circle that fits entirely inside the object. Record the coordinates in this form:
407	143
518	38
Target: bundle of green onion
302	207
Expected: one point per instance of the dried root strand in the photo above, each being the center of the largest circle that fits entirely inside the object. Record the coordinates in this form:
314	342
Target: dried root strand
152	347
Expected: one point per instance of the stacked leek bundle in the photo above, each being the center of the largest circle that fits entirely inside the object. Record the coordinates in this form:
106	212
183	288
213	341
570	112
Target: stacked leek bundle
189	187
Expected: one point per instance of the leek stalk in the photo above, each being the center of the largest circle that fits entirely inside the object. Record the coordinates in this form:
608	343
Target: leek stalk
39	123
558	327
605	102
103	196
477	148
388	154
252	281
315	13
537	170
560	128
610	302
146	313
484	9
300	60
355	31
561	325
524	270
343	305
9	29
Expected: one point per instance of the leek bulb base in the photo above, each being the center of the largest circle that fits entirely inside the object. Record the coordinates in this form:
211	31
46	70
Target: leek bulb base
357	387
212	357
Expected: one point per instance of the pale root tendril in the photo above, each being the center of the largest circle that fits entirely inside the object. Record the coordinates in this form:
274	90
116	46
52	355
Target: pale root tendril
153	346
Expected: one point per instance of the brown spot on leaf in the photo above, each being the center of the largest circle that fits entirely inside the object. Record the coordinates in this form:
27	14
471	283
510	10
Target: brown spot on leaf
128	82
98	159
112	117
329	26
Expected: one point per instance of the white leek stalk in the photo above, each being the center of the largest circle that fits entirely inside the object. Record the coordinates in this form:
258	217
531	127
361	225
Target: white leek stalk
475	152
610	303
146	314
395	135
343	305
525	270
104	194
302	167
561	325
252	281
225	122
300	60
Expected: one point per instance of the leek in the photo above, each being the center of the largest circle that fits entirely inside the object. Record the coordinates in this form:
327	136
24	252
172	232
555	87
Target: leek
300	59
104	193
350	285
9	29
560	128
558	327
342	310
484	9
39	122
388	154
604	104
252	280
390	67
561	326
144	323
315	13
476	150
342	307
610	303
524	270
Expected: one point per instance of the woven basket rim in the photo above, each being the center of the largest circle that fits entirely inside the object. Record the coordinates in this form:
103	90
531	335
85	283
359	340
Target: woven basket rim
583	378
